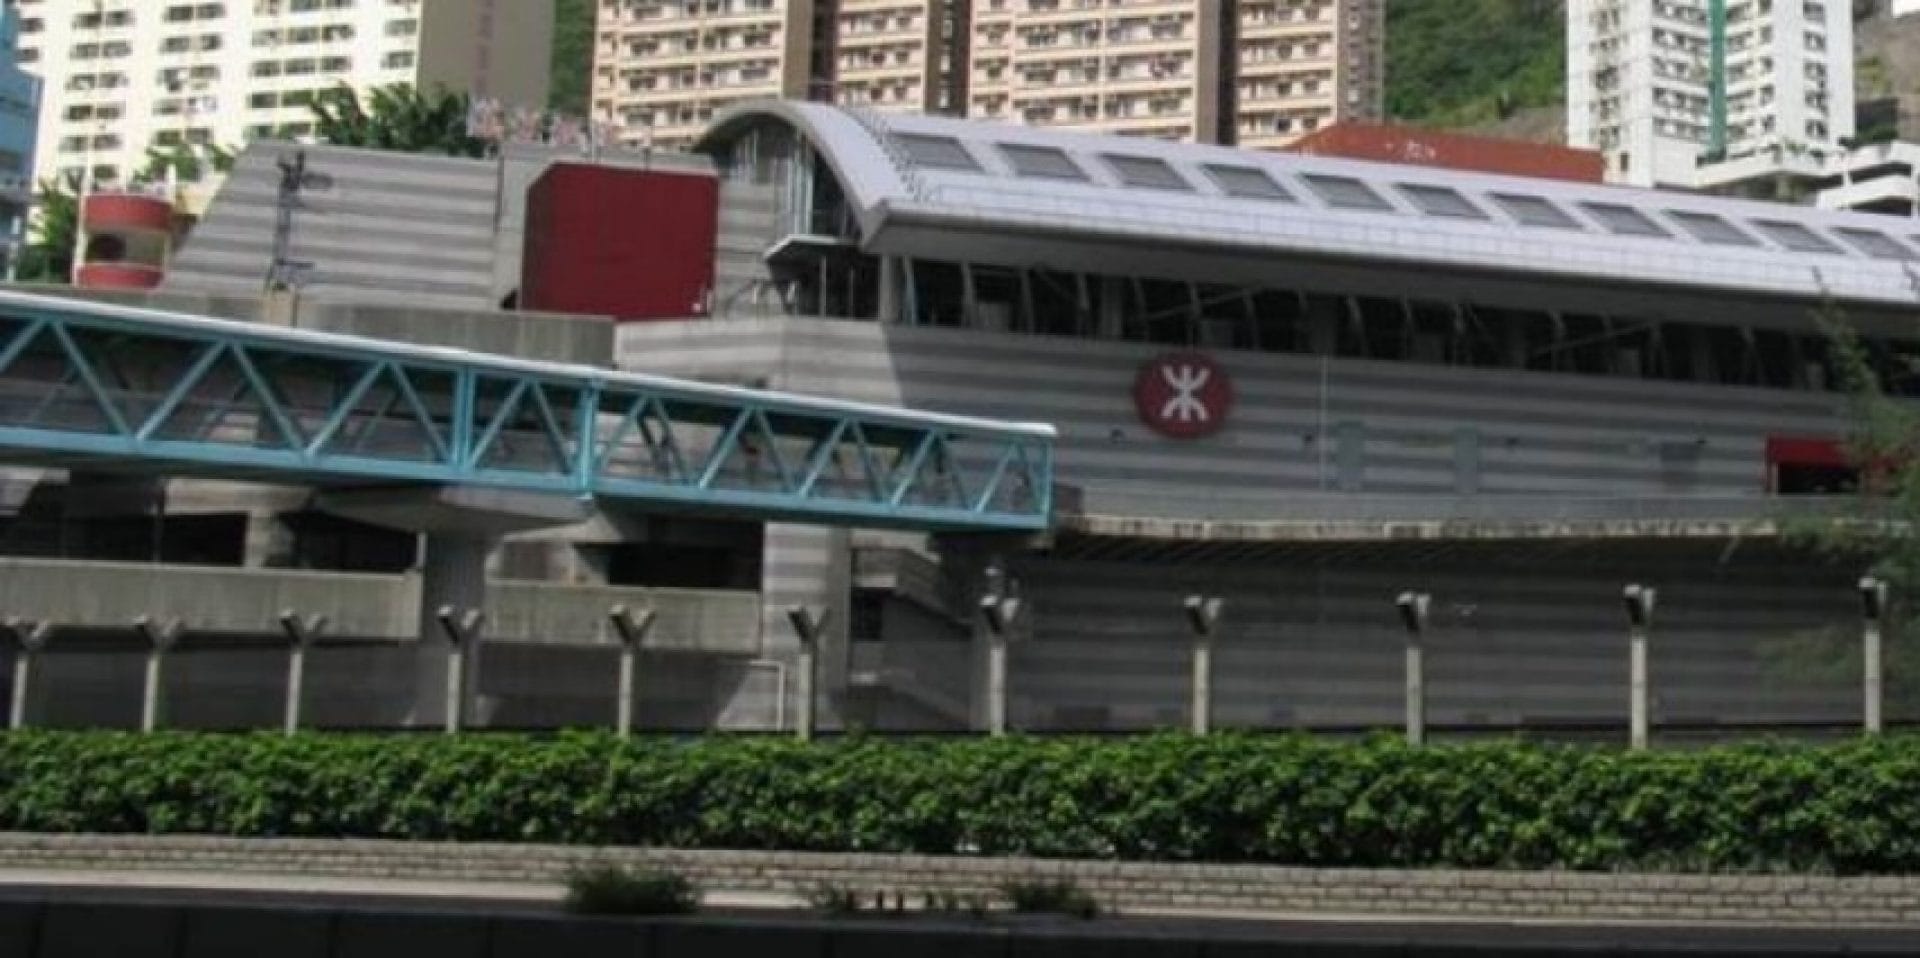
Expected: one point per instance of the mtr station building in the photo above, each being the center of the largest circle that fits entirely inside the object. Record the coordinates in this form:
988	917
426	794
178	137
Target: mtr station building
1302	384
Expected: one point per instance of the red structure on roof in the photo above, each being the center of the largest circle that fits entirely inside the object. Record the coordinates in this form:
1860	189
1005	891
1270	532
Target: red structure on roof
1454	151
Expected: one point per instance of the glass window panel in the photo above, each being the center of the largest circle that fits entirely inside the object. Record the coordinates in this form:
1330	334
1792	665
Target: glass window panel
1708	228
1534	211
1441	201
1145	171
1247	182
1346	193
938	152
1874	243
1795	237
1623	220
1044	162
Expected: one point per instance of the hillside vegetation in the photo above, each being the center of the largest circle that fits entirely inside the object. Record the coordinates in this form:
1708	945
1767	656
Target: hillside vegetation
1456	63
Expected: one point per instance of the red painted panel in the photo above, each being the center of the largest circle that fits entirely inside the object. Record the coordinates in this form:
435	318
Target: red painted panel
106	212
118	276
631	244
1806	451
1454	151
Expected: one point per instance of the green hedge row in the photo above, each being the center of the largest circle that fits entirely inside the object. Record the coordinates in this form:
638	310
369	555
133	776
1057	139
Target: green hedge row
1850	808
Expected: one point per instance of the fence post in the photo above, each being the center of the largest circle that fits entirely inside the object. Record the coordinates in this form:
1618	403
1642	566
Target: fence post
1414	609
30	637
462	629
632	627
161	638
1640	602
301	634
1203	617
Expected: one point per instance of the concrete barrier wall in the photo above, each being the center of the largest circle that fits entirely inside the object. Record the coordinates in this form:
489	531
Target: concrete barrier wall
1129	887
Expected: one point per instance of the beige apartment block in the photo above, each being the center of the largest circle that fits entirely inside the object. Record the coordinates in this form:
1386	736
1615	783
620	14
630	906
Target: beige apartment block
125	75
661	68
1305	64
892	55
1140	67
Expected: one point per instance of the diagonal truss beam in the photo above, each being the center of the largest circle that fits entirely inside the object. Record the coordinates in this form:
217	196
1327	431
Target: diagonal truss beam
316	401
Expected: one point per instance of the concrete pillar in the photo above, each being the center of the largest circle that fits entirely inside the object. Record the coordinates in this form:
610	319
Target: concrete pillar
808	625
1203	618
1873	604
453	575
1414	609
889	299
161	637
29	638
632	627
461	629
1639	601
301	634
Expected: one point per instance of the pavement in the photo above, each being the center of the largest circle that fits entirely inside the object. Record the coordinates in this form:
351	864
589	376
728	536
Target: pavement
1360	931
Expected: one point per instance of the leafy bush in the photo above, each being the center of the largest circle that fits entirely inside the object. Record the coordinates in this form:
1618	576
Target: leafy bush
613	890
1844	808
1053	896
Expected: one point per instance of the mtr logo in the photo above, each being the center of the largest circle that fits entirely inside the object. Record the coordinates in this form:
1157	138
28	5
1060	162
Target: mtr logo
1183	395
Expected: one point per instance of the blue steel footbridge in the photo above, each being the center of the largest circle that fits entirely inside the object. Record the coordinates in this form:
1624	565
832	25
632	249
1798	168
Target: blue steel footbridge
92	386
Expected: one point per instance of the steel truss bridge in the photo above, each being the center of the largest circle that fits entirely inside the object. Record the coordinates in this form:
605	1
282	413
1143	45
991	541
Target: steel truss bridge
90	386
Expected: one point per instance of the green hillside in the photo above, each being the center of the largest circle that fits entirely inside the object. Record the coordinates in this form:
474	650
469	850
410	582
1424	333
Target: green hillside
572	55
1454	63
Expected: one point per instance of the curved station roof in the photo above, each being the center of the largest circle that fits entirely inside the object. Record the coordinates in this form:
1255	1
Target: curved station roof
912	180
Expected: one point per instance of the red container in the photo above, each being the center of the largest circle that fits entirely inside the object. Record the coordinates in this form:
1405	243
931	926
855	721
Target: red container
118	276
127	212
631	244
1453	151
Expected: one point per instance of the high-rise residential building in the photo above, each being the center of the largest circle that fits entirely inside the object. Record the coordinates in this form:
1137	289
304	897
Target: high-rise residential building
663	67
19	129
1260	72
122	76
1304	64
1664	87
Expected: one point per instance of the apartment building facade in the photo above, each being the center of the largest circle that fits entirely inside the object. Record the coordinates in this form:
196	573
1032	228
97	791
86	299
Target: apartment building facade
1258	72
662	68
122	76
1664	87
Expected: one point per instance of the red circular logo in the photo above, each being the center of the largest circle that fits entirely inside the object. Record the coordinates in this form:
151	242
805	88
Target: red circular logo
1183	395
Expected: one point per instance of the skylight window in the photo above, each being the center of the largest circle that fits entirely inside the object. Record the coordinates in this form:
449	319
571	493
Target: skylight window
1146	172
1623	220
1346	193
1247	183
1708	228
1795	237
1041	162
1441	201
938	152
1534	211
1874	243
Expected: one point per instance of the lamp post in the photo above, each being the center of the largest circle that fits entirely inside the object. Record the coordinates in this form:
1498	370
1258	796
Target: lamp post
1639	601
1203	618
999	610
1414	608
1873	606
807	627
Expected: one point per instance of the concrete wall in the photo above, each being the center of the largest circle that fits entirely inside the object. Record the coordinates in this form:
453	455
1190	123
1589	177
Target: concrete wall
1777	903
1531	634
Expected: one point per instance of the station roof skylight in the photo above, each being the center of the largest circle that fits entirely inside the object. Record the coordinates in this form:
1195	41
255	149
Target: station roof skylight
1145	171
1043	162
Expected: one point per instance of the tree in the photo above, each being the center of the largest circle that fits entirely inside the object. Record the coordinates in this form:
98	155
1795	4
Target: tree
396	117
572	56
1877	528
186	163
48	254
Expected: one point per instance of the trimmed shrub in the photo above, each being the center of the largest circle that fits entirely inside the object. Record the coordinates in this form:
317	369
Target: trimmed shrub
1294	800
613	890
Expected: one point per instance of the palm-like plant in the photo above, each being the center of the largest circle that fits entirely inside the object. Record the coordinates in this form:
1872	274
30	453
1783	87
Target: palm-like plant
397	117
